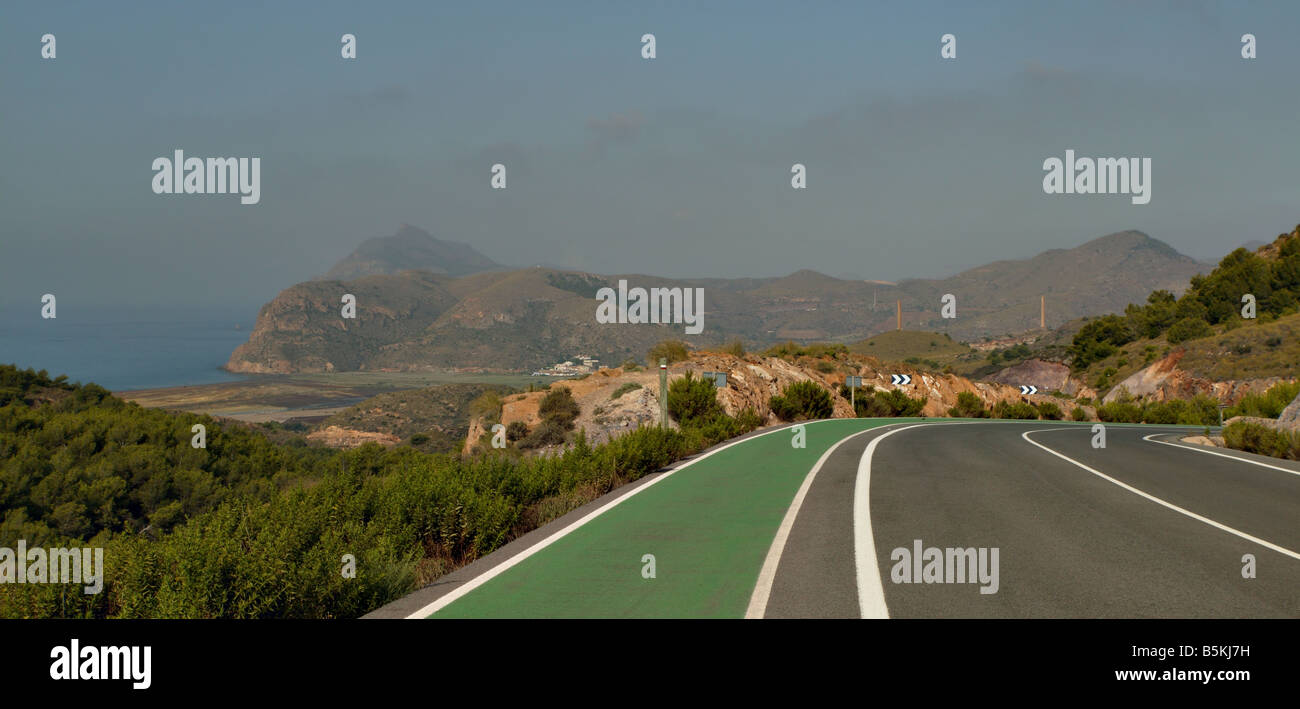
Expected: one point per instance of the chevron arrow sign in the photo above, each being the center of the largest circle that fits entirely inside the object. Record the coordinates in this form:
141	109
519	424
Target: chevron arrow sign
1028	389
901	379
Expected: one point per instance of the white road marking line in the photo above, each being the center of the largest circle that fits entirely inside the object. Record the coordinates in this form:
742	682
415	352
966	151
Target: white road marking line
767	575
446	599
1153	498
1221	455
871	592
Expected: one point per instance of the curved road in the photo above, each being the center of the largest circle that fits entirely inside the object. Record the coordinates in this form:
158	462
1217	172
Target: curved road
1144	527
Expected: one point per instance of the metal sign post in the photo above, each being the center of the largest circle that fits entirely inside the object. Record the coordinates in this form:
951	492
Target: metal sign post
854	383
663	392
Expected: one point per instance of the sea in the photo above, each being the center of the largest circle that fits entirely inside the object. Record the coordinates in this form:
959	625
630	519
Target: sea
124	348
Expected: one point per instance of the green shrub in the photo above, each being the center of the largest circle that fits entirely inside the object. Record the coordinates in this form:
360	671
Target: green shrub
1016	410
623	389
1120	412
970	406
1188	329
736	348
1254	438
692	400
487	406
559	407
550	432
802	400
516	431
1049	411
1267	405
1079	414
791	350
671	350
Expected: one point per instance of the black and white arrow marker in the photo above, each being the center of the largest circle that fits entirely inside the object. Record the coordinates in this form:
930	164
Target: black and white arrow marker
1027	389
901	379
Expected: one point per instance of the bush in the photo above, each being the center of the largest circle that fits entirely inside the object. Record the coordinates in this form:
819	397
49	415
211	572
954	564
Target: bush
1099	339
790	350
487	406
1017	410
1049	411
1254	438
693	401
802	400
1188	329
1267	405
559	407
630	365
968	406
671	350
549	432
736	347
1079	414
630	386
1120	412
516	431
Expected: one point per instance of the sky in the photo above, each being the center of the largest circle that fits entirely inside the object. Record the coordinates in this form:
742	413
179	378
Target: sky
680	166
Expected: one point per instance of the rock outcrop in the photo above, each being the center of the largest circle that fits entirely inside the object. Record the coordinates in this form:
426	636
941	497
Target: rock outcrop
1163	380
1047	376
751	382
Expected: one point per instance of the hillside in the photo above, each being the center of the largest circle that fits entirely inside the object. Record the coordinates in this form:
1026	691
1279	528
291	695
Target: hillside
930	350
1202	342
410	248
1101	276
529	318
433	419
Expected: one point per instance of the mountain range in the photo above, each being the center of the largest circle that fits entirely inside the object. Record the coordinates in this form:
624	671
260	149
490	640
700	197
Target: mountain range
428	304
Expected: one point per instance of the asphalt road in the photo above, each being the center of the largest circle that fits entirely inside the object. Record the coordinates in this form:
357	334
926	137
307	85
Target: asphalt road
763	528
1070	542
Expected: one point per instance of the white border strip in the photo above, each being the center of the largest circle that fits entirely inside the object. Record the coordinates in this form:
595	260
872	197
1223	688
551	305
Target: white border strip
871	591
446	599
767	575
1221	455
1153	498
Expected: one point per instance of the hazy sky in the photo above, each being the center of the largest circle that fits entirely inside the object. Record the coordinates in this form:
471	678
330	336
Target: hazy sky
679	166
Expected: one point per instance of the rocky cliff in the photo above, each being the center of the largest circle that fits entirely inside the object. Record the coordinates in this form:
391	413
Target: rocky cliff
751	381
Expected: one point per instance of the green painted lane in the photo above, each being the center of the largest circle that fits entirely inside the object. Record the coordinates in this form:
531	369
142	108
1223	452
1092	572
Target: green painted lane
708	526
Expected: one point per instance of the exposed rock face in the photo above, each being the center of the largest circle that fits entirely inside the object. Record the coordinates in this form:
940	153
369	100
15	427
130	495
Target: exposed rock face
1163	380
457	310
1047	376
336	437
751	382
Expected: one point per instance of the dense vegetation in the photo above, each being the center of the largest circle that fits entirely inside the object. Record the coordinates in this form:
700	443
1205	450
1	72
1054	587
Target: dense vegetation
870	402
1267	405
1199	411
1210	300
968	406
1254	438
791	350
247	528
802	400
